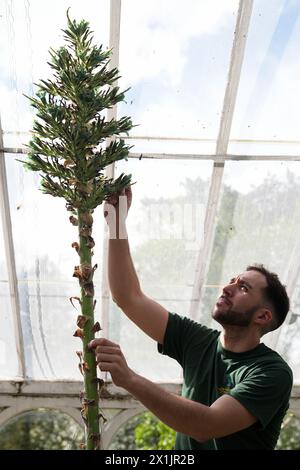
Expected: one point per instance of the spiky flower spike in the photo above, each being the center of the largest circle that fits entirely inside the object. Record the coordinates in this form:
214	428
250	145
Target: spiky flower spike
69	148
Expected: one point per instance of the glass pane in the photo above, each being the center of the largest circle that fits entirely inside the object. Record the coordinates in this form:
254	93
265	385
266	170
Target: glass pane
45	260
3	269
172	146
175	55
165	226
268	100
289	339
289	438
41	429
258	222
8	355
26	36
143	432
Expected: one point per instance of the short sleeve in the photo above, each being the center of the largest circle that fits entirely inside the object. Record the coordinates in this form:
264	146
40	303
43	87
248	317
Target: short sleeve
264	393
182	335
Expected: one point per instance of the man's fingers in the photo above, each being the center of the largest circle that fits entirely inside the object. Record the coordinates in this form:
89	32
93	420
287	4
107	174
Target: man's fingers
112	202
108	350
105	366
114	198
101	342
107	357
128	191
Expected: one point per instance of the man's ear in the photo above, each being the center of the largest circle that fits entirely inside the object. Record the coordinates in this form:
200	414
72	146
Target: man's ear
264	317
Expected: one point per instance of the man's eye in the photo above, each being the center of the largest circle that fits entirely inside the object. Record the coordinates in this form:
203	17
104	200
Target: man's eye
244	288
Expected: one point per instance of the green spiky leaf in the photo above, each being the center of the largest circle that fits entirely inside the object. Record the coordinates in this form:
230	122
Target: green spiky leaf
70	132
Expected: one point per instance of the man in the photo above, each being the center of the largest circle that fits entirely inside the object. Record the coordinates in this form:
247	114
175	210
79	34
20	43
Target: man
236	390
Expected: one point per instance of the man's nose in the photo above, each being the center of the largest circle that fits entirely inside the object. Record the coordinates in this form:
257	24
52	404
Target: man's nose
229	289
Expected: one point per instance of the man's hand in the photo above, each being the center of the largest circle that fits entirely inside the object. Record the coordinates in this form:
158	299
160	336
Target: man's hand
109	358
116	208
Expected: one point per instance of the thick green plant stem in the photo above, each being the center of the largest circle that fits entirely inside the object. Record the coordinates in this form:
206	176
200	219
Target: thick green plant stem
90	411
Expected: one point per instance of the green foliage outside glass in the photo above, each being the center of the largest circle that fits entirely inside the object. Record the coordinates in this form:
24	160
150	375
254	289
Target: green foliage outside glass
289	438
53	430
153	434
41	430
146	432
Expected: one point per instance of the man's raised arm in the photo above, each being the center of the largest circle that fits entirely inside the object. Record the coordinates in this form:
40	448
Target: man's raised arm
124	284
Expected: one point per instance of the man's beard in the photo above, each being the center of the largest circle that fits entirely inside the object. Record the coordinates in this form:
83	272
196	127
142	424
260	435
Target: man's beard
235	318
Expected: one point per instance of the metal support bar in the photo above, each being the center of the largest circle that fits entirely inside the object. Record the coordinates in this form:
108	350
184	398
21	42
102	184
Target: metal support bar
191	156
236	61
237	55
114	33
216	158
114	44
10	260
206	245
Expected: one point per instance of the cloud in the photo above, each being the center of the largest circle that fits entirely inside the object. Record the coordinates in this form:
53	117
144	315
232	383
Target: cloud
154	37
29	32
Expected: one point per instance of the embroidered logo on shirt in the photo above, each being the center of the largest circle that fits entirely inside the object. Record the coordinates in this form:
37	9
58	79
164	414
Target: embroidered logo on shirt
228	385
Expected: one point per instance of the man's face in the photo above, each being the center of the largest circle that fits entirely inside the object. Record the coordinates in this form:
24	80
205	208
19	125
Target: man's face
240	299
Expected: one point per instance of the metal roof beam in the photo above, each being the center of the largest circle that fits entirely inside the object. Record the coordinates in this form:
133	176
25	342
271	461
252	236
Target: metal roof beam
237	55
11	263
190	156
114	44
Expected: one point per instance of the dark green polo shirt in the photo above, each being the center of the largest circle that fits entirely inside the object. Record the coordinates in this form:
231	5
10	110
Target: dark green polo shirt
259	379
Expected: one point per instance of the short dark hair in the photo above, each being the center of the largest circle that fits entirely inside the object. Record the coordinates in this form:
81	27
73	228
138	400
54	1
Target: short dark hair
275	293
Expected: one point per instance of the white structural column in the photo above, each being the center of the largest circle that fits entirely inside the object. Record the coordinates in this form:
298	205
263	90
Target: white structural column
237	55
114	44
10	260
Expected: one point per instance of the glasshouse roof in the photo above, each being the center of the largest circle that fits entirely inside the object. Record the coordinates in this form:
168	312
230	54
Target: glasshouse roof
213	92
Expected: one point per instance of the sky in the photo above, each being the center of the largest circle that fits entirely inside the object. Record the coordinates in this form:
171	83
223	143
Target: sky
175	56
